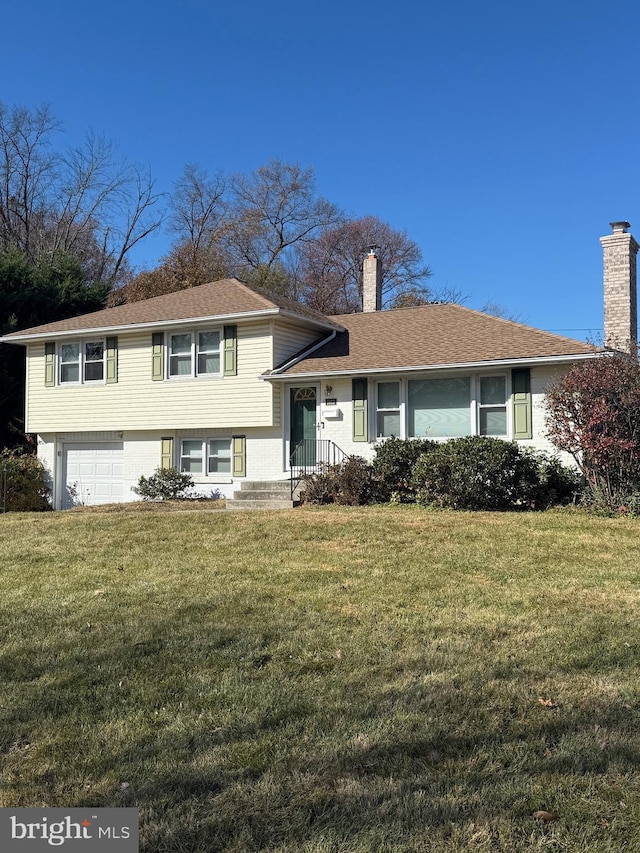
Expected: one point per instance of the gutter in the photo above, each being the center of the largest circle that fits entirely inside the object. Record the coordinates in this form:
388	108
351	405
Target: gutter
19	338
506	362
300	357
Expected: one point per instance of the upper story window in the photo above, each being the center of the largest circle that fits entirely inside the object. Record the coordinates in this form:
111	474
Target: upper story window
94	361
194	354
81	362
70	363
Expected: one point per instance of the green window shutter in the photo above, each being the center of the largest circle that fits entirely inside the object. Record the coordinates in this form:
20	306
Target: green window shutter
360	413
521	396
166	453
230	351
239	455
50	364
157	372
112	360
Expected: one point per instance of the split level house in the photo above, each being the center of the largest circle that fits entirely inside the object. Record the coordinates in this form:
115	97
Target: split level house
233	384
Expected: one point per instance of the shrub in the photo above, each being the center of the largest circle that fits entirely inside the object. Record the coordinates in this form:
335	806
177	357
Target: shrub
393	467
479	473
166	484
558	484
24	483
350	483
319	487
594	414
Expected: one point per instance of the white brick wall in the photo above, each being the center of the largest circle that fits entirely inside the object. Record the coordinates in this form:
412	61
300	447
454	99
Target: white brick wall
340	431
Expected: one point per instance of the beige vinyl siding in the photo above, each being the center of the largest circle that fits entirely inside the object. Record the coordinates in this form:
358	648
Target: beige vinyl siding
137	402
289	339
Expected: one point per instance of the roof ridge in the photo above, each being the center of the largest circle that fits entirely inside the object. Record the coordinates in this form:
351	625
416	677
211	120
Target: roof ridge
456	306
517	323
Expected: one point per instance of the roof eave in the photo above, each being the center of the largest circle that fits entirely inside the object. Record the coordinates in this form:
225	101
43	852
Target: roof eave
18	338
468	365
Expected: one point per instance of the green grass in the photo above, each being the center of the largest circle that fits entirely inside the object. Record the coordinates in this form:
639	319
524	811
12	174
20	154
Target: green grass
343	679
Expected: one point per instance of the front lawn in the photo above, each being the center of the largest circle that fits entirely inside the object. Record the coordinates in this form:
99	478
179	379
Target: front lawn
326	679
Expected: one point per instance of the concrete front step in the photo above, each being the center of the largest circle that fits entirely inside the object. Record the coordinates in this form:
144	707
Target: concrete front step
262	494
265	485
234	503
259	494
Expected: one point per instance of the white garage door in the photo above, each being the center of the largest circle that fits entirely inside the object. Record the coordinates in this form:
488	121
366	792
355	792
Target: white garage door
93	473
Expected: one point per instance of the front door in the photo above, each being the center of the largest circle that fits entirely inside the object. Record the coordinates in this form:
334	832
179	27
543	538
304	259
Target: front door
303	425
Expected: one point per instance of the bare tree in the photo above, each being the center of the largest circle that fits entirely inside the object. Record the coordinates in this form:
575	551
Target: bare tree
331	266
274	211
199	208
83	201
270	228
28	171
498	310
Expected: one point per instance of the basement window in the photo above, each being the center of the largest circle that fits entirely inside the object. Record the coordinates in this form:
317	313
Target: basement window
205	456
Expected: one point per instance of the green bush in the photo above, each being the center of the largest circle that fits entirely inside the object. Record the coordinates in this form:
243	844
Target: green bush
165	484
478	473
350	483
558	485
393	467
472	473
24	483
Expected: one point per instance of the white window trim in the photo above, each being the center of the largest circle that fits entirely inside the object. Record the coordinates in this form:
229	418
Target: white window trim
474	403
400	409
81	362
481	405
193	374
205	475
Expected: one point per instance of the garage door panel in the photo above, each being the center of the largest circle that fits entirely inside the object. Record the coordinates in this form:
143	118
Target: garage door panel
94	473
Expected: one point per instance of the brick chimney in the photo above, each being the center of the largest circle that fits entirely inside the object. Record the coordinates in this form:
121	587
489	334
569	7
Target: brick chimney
372	282
620	289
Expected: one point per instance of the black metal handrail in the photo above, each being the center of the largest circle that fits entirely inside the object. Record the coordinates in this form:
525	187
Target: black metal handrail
310	454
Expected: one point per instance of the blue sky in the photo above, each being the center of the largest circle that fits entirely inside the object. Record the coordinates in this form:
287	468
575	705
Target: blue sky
502	136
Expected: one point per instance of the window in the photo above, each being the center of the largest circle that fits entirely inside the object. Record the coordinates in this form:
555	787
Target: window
208	353
82	362
206	457
94	361
449	407
194	354
219	456
180	355
191	456
70	363
492	406
439	408
388	412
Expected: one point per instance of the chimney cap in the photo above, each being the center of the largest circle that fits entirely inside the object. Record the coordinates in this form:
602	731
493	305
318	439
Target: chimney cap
620	227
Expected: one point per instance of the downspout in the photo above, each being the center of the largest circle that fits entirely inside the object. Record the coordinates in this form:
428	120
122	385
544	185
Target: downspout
300	357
